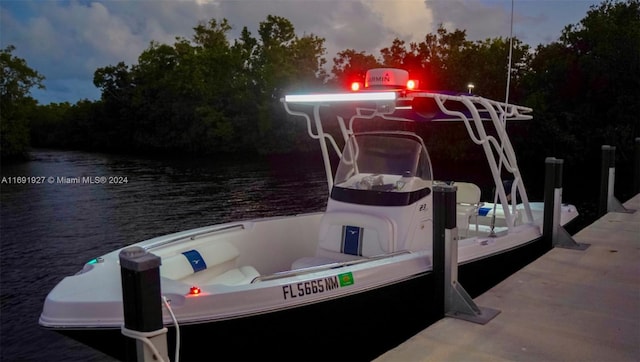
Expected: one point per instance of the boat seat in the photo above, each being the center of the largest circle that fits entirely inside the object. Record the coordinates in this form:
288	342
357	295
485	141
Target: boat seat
346	236
467	206
486	213
212	263
237	276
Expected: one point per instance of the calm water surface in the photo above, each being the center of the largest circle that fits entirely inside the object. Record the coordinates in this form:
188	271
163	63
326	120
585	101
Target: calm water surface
49	230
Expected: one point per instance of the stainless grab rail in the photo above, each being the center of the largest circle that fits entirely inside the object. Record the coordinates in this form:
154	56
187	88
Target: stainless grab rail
194	236
313	269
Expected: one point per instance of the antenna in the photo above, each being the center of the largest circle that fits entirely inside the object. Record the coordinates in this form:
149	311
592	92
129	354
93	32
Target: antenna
504	123
506	100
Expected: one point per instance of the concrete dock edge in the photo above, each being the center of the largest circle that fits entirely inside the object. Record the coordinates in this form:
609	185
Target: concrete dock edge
569	305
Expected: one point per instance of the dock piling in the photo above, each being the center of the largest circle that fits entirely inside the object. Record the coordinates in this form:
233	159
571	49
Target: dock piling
452	300
608	201
142	305
636	168
552	230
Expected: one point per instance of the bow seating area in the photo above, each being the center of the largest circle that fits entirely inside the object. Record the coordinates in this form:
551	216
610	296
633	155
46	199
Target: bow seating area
211	263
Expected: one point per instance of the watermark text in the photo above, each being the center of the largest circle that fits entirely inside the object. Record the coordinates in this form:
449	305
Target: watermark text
63	180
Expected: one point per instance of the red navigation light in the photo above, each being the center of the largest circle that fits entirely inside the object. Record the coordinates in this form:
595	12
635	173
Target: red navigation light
412	84
195	290
355	86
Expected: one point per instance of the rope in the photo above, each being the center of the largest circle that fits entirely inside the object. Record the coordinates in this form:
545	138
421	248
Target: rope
144	337
175	323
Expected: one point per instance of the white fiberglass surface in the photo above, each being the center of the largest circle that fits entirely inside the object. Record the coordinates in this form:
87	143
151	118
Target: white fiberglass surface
399	156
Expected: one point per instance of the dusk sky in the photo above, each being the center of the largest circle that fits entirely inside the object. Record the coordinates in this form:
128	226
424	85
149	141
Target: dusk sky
66	41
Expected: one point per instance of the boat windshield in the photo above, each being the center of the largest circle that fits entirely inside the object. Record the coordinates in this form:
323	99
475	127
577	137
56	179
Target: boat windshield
393	162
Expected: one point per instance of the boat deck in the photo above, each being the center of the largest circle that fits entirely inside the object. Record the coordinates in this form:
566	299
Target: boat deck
566	306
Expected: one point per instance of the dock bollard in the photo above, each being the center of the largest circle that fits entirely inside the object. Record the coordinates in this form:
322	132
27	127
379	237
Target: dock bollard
142	305
452	300
552	231
608	202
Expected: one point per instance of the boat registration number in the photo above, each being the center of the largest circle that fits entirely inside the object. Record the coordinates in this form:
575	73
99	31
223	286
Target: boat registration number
297	290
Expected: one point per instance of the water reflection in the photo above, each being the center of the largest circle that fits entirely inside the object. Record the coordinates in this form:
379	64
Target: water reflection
50	230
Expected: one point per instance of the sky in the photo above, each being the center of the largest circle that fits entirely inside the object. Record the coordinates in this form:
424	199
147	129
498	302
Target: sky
66	41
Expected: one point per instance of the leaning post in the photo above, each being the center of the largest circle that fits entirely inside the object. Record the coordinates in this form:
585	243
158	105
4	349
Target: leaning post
142	305
452	300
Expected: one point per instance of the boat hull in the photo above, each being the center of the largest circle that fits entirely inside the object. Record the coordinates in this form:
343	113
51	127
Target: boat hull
359	326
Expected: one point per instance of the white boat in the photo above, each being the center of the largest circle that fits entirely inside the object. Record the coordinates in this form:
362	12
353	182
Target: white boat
347	283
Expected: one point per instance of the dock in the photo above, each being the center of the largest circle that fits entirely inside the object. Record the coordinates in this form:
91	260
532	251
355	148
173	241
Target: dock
568	305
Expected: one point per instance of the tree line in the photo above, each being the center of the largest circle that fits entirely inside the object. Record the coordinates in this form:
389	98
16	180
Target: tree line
209	95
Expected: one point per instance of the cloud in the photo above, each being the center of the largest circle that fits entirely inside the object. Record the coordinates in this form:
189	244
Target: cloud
67	41
481	20
409	20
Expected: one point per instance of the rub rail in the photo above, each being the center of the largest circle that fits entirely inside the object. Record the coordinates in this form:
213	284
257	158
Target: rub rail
313	269
195	235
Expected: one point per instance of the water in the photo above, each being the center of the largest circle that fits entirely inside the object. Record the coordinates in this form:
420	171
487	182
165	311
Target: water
49	230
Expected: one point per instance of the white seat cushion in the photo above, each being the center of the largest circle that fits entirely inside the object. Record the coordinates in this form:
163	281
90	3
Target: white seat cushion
237	276
467	204
176	267
467	193
218	257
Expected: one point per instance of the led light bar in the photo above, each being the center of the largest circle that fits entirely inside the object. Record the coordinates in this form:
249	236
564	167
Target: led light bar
341	97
